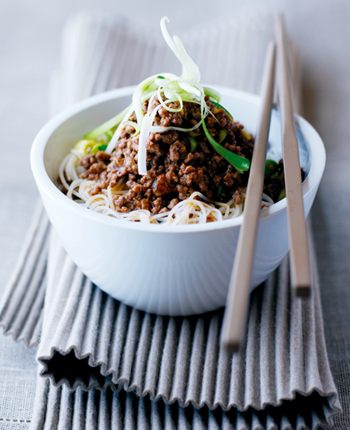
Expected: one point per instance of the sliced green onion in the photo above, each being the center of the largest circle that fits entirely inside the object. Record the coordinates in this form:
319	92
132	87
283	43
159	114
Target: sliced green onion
218	105
98	148
190	70
160	77
270	167
152	86
109	134
239	163
132	124
222	135
282	194
172	97
220	190
137	99
193	143
195	133
188	88
246	135
213	94
106	126
82	145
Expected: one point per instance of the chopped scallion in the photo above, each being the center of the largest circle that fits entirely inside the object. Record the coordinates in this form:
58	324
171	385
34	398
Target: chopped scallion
245	134
109	134
220	190
218	105
213	94
239	163
222	135
83	145
270	167
282	194
193	143
152	86
98	148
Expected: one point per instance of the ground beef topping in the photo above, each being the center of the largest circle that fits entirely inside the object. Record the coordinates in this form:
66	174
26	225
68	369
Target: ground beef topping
173	171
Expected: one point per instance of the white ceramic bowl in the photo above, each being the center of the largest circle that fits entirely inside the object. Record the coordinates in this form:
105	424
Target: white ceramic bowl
171	270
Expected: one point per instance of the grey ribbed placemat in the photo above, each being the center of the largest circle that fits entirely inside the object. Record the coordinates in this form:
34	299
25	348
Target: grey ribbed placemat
174	359
22	303
108	410
91	340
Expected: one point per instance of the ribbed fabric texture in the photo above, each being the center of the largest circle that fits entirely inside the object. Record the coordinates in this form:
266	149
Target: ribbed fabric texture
90	341
78	410
22	303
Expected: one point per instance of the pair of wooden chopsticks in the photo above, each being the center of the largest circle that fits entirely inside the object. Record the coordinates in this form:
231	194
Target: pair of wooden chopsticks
234	322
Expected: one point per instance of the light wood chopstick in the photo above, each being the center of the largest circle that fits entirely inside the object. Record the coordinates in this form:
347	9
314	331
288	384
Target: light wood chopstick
234	322
299	254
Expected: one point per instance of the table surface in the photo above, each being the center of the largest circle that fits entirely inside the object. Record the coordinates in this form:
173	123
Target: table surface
30	35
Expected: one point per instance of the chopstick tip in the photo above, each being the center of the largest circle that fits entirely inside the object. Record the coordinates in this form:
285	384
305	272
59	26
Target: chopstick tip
231	348
303	291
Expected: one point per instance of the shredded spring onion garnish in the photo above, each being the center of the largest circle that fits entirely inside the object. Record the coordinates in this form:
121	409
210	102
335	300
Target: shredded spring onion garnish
169	88
171	92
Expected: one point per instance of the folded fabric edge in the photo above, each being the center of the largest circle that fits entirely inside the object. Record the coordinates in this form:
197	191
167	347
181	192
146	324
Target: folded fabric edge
102	380
332	396
30	271
54	413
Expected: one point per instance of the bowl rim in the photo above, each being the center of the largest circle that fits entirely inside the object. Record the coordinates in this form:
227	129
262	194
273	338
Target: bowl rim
44	182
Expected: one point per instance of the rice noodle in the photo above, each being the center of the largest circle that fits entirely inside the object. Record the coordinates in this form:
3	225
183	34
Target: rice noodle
197	209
